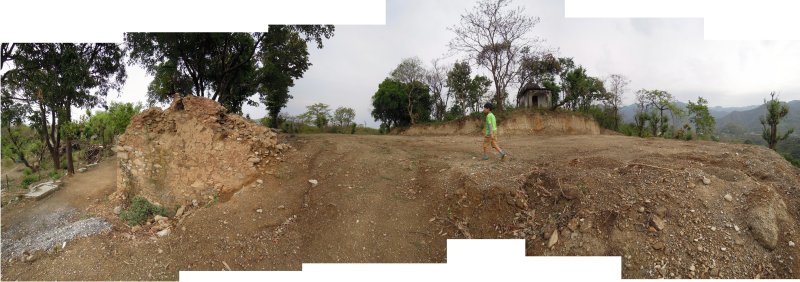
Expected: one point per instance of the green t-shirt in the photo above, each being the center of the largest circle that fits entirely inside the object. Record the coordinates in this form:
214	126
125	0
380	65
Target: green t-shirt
491	124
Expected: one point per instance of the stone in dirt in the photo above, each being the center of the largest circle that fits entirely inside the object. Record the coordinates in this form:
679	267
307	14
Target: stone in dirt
313	182
657	222
658	245
706	181
163	233
81	170
791	244
553	239
117	209
728	197
763	221
159	218
180	211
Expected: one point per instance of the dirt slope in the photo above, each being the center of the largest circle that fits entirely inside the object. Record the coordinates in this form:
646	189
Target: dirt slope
398	198
525	123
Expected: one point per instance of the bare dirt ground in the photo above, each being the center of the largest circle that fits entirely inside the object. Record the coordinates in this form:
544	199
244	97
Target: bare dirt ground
398	198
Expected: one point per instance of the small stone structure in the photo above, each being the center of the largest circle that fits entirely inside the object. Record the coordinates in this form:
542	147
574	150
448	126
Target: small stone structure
43	189
534	96
192	150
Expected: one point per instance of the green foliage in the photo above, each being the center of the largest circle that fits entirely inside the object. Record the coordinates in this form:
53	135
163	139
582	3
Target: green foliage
265	121
776	111
29	179
227	67
318	114
605	116
791	160
57	77
467	91
55	175
629	129
411	74
141	210
391	100
343	116
581	90
701	118
103	126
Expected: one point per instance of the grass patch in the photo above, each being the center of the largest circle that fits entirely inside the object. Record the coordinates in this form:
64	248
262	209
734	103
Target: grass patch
29	179
141	210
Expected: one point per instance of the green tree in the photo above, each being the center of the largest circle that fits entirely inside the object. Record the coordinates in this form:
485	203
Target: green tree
227	67
494	36
410	73
467	91
107	124
776	111
343	116
701	118
318	114
20	142
580	90
389	103
51	78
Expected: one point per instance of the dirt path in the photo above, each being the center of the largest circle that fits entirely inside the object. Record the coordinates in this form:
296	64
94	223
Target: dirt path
398	198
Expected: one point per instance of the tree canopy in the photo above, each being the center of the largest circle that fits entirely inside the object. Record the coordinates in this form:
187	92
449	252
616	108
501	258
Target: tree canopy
390	103
227	67
48	79
495	36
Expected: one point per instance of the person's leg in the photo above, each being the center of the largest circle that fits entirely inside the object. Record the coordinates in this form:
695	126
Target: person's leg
497	147
485	147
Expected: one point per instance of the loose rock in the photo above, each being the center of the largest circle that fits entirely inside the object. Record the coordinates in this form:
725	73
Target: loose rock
117	210
163	233
657	222
313	182
706	181
728	197
180	211
553	239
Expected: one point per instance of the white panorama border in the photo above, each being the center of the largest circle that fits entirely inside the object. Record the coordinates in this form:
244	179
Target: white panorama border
723	19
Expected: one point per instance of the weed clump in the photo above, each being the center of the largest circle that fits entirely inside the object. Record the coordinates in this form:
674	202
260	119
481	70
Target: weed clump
141	210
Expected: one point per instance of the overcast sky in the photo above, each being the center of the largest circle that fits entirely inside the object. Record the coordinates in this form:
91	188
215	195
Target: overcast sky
667	54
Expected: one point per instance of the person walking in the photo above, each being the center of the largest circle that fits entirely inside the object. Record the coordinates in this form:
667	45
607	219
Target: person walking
490	135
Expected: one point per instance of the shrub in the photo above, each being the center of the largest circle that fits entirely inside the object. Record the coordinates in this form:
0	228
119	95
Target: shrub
141	210
55	175
29	179
27	171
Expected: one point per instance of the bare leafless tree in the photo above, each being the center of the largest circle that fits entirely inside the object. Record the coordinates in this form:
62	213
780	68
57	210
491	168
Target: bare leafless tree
494	35
436	78
617	85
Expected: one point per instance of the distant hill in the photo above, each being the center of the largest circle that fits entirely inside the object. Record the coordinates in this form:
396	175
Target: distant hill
740	120
749	120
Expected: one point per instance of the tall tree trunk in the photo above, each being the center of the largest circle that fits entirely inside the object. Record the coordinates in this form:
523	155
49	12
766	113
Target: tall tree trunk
68	118
498	96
